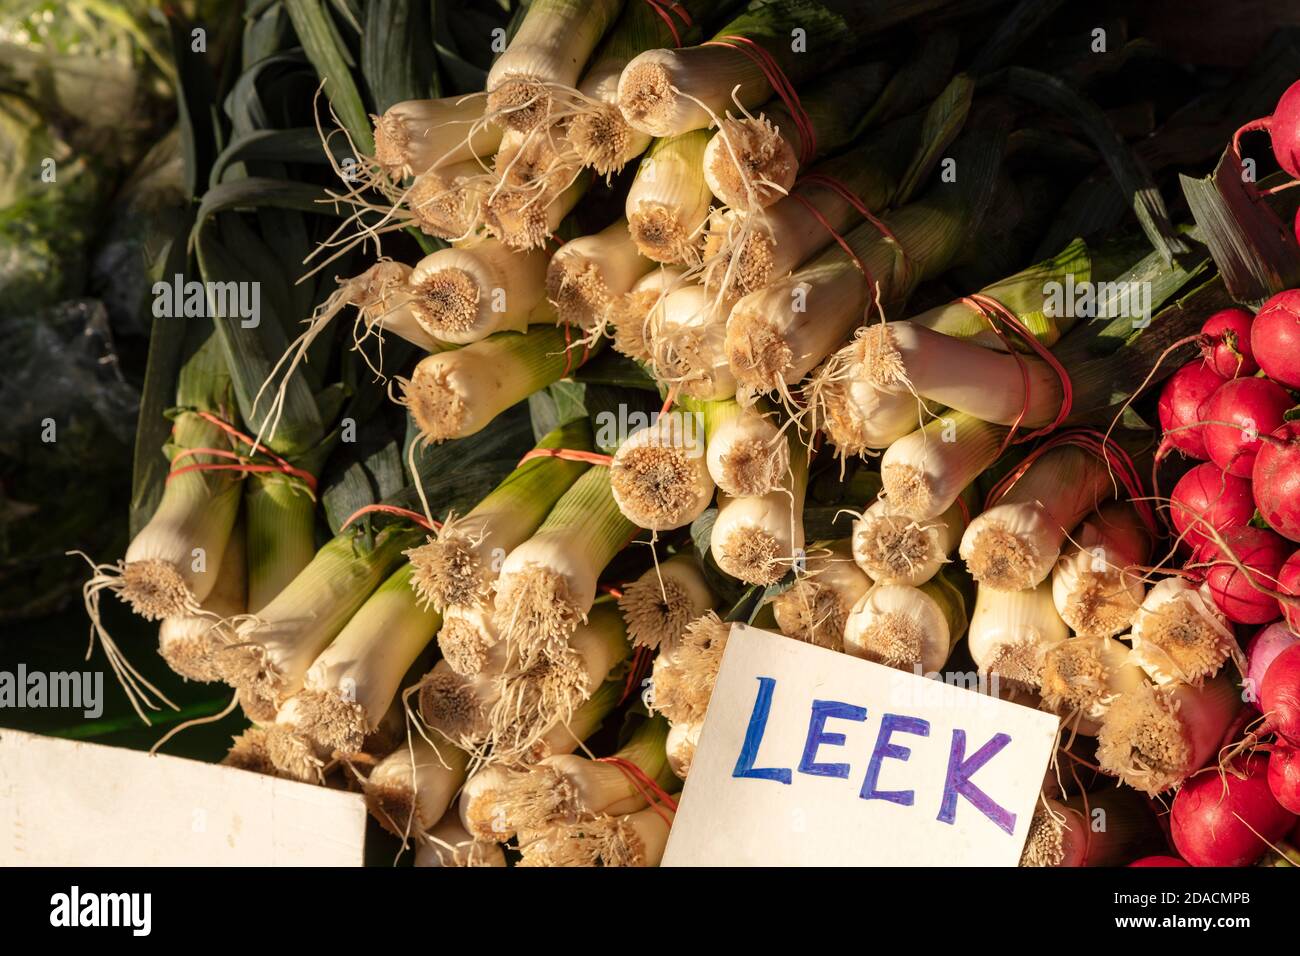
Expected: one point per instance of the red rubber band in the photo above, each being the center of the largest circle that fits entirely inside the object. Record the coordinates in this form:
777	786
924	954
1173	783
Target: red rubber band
245	465
854	200
415	516
665	11
569	454
641	781
780	85
641	662
839	240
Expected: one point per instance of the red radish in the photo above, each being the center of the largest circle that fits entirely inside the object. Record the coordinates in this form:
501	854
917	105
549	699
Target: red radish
1236	414
1288	582
1227	345
1276	477
1227	820
1284	775
1207	497
1232	590
1159	861
1283	129
1279	697
1264	647
1275	338
1180	405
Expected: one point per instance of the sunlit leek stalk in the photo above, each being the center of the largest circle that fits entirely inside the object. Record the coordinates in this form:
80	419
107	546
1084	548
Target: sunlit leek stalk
456	707
1081	676
754	160
548	583
458	564
658	477
464	295
668	202
1179	634
469	641
658	605
856	416
757	540
894	548
531	81
687	330
1093	590
597	131
668	91
632	315
1011	630
189	642
477	804
815	608
637	839
683	678
907	628
525	217
586	277
1154	738
354	680
1015	544
447	201
682	740
457	393
925	471
747	455
1111	826
248	752
450	845
416	135
568	788
535	698
273	651
409	791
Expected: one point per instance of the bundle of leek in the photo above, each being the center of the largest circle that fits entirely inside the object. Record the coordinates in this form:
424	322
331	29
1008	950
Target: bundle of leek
667	204
759	539
1082	676
907	628
683	677
410	790
634	314
816	608
638	839
460	296
588	276
1179	634
414	136
747	454
658	605
1094	591
894	548
1011	630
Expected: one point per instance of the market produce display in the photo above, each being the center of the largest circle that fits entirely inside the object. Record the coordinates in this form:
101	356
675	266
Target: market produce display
533	348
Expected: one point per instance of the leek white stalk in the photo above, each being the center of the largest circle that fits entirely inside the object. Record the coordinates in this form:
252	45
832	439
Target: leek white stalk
908	358
478	804
659	478
352	683
248	752
757	540
1179	634
688	328
633	315
856	416
568	788
447	201
544	59
417	135
1011	630
651	88
1063	834
682	740
189	643
468	639
565	736
1093	592
450	845
548	583
459	564
907	628
894	548
1082	676
274	649
658	605
1015	544
458	706
924	472
587	276
667	204
638	839
747	454
816	607
464	295
457	393
1154	738
525	217
409	790
683	677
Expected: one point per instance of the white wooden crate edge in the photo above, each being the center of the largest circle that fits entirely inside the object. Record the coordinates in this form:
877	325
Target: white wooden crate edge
73	803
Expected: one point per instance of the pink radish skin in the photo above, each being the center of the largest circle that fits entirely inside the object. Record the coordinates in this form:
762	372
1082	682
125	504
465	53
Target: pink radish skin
1228	820
1284	775
1159	861
1236	414
1264	648
1263	552
1180	404
1276	480
1288	582
1227	343
1279	697
1275	338
1207	497
1283	130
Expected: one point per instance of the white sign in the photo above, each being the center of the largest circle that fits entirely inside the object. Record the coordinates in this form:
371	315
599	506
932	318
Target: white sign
810	757
72	803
